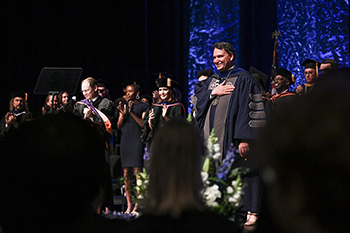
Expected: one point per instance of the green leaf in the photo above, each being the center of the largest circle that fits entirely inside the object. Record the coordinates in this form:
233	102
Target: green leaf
206	165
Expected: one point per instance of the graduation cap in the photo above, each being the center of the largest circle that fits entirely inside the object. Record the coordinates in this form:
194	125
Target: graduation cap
260	77
286	74
102	83
308	63
18	93
164	80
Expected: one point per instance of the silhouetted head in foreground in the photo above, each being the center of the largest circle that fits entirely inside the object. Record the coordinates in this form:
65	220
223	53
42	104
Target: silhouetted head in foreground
175	165
304	154
51	174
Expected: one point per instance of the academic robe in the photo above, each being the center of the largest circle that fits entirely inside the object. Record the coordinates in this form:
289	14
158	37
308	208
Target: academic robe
279	102
105	105
10	129
175	110
235	117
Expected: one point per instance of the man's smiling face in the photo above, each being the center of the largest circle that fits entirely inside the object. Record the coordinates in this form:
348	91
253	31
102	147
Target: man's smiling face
222	60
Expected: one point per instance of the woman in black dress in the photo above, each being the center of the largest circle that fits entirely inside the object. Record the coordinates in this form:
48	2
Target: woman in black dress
131	146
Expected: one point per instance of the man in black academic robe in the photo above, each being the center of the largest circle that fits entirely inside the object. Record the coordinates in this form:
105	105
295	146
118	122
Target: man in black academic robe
101	111
230	102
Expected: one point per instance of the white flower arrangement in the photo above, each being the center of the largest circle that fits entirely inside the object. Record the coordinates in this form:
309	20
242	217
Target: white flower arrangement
223	187
141	184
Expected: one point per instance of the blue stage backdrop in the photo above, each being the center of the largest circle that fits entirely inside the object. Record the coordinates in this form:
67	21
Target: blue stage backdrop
211	21
312	29
315	29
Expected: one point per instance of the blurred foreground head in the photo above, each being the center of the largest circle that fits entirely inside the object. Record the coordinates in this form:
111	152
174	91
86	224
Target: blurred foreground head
305	159
51	174
175	165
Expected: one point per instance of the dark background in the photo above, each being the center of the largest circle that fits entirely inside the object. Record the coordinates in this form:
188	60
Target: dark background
116	41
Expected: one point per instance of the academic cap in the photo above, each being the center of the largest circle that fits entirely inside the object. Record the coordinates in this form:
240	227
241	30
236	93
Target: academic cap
18	93
259	76
285	73
164	80
308	63
102	83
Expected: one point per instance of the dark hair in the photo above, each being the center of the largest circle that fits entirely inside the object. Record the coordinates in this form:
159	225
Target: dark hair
334	64
47	99
60	96
227	47
175	165
147	97
53	177
172	96
205	72
135	86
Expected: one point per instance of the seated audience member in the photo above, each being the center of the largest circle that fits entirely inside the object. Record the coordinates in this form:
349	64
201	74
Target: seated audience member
51	106
304	154
17	115
174	203
328	65
53	181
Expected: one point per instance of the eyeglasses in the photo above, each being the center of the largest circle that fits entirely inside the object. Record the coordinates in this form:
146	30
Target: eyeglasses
86	91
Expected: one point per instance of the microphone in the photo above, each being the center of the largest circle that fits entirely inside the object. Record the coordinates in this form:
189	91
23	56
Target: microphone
69	106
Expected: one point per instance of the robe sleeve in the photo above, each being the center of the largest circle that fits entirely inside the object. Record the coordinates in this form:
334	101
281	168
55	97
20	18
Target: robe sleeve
251	114
177	111
107	108
203	100
147	132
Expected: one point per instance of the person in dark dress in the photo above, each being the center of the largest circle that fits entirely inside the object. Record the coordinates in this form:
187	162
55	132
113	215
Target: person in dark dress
131	146
168	107
173	202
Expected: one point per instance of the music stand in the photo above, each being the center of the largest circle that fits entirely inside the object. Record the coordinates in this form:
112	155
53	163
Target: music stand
52	80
